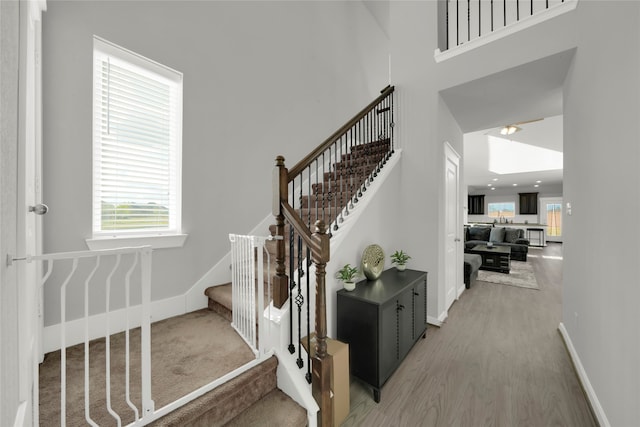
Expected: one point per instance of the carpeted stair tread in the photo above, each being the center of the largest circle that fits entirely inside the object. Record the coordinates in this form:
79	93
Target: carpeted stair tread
276	409
227	401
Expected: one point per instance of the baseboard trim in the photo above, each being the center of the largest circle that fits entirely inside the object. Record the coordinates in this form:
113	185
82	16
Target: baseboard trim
162	309
437	321
592	398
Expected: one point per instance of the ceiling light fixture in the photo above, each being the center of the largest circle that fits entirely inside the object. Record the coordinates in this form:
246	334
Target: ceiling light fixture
515	185
493	188
509	129
494	179
537	185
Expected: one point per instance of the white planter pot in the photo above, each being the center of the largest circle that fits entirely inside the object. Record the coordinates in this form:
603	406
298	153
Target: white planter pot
349	286
401	267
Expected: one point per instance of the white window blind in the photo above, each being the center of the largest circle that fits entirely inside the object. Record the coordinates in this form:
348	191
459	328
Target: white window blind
137	144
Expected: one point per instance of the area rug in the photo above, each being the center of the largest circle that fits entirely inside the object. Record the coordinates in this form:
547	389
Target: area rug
521	275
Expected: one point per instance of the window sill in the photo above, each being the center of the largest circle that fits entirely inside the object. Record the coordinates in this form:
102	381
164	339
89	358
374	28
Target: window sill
156	242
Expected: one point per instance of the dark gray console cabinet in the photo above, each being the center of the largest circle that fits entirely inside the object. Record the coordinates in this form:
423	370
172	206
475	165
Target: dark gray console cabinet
381	320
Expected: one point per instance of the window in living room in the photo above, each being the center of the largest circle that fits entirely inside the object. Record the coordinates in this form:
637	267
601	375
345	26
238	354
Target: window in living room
137	144
502	209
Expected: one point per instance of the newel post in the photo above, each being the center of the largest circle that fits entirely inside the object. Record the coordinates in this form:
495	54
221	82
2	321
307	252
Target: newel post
322	363
280	194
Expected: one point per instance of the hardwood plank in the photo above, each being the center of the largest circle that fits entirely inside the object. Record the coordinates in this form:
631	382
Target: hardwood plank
497	361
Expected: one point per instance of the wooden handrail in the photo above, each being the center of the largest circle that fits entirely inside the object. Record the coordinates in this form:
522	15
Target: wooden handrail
320	253
302	164
375	150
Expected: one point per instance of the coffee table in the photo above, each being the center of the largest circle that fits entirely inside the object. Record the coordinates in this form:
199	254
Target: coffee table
495	258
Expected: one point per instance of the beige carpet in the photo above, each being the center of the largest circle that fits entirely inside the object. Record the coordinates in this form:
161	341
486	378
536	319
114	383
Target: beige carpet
187	351
521	275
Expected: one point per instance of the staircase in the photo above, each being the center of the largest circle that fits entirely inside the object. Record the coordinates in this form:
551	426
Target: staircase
317	193
251	399
327	201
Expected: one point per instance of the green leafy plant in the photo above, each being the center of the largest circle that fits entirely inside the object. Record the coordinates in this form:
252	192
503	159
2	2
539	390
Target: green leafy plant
399	258
347	273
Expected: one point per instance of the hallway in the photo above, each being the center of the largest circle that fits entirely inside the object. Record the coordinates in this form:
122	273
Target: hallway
498	360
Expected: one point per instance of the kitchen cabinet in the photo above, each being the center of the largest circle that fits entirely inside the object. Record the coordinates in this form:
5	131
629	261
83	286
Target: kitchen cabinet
528	203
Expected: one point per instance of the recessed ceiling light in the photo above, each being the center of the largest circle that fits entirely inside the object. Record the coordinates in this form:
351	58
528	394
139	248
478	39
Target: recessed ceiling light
538	182
509	129
515	185
489	185
493	188
536	186
495	179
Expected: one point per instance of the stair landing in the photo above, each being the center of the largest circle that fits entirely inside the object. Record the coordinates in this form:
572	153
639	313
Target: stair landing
187	352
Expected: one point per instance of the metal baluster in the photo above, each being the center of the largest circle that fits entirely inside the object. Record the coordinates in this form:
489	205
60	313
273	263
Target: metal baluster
292	284
343	170
505	12
517	10
317	192
347	190
393	124
308	374
299	303
332	189
491	15
531	7
338	182
468	20
447	23
479	17
457	23
323	185
310	197
354	177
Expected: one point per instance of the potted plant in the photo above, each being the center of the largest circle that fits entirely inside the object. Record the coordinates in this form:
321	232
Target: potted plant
346	274
400	259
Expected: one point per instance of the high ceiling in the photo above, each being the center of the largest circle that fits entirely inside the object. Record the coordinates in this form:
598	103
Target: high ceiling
528	92
538	141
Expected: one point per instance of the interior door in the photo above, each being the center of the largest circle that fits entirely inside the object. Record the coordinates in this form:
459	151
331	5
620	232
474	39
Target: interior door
551	217
29	223
453	228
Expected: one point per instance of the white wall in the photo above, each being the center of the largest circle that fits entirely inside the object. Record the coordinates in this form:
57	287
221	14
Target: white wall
600	289
260	79
379	222
9	360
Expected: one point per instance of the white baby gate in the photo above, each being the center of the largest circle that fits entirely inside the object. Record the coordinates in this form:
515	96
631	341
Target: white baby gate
247	284
122	263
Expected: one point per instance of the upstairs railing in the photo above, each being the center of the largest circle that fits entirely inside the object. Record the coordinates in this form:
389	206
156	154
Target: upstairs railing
311	201
466	20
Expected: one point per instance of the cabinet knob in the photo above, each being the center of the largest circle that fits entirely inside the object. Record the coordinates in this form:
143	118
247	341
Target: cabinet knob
416	293
400	307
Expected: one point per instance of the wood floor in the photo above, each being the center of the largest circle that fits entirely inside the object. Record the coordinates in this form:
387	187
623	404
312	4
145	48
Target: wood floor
498	360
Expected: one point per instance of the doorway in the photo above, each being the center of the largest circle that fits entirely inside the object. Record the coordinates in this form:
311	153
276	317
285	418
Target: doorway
453	227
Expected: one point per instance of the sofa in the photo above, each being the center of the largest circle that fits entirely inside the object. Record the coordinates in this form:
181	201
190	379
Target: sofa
499	236
472	263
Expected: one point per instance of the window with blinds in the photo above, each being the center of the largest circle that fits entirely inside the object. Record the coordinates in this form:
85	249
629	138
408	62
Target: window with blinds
137	144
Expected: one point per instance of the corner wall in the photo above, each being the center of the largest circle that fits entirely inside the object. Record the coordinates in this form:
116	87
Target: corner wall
600	286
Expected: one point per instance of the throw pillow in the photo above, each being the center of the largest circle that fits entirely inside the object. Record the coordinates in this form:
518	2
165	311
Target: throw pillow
497	235
511	235
479	233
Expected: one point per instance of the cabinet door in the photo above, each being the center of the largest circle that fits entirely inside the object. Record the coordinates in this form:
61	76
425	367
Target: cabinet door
419	309
405	316
528	203
389	345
